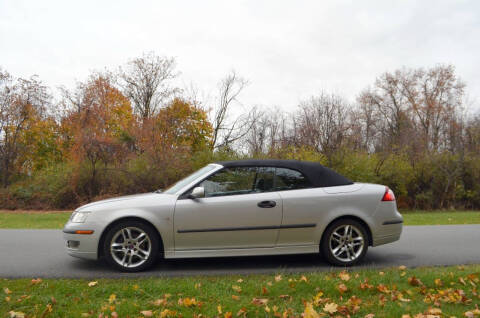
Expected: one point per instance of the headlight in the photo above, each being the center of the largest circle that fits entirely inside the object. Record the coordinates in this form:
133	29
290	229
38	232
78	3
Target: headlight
79	217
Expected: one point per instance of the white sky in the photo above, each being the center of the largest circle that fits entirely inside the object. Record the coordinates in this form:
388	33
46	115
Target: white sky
288	50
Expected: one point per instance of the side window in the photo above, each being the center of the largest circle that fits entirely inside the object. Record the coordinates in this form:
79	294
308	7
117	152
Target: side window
264	179
288	179
230	181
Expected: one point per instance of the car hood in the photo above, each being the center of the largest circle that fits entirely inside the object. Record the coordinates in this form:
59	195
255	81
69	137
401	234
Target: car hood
139	199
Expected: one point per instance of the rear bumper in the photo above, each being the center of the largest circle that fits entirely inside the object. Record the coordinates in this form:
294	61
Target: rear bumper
389	233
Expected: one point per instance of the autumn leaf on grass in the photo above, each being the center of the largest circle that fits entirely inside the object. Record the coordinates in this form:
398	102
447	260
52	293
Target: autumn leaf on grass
114	314
242	311
264	290
369	315
365	285
7	291
303	279
402	267
259	301
16	314
383	289
168	313
342	288
438	282
147	313
278	278
344	276
330	308
235	297
112	298
91	284
414	281
237	288
36	281
187	302
160	302
434	311
310	312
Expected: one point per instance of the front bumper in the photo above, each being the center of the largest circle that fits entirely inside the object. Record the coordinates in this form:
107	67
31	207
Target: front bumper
81	245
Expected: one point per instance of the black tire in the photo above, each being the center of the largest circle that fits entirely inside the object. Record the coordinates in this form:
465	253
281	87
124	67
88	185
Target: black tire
326	249
154	241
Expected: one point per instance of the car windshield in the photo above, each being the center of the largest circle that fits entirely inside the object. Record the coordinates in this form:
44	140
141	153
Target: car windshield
182	183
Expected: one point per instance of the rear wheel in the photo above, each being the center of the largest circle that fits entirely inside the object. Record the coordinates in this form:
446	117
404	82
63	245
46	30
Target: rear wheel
345	242
131	246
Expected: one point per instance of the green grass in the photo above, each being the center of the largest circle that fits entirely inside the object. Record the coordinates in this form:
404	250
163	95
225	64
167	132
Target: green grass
56	220
33	220
391	293
440	217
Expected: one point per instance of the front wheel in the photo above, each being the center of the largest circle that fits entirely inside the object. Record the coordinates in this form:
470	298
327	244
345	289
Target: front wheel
345	242
131	246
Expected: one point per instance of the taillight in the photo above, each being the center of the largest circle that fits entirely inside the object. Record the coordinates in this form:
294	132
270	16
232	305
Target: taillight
388	196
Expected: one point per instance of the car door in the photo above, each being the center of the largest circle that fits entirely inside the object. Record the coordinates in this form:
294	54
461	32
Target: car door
239	210
302	207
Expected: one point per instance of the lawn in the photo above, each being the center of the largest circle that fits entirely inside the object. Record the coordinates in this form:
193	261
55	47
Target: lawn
440	291
56	220
440	217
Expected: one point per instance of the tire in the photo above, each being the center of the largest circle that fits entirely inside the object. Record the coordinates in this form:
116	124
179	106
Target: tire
131	246
344	250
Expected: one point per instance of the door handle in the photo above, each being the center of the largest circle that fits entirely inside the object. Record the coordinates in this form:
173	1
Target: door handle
267	204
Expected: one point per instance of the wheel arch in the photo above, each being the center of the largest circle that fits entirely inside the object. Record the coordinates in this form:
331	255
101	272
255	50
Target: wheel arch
123	219
351	217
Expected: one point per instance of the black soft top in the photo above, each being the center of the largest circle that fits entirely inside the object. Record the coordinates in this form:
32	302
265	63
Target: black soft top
317	174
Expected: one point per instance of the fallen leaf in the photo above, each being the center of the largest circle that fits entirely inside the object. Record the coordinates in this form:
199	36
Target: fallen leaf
344	276
381	273
264	290
228	315
112	298
16	314
310	312
7	299
438	282
240	280
414	281
85	314
330	308
259	301
114	314
406	316
235	297
160	302
402	267
168	313
278	278
469	314
369	315
342	288
147	313
91	284
303	278
242	311
36	281
237	288
7	291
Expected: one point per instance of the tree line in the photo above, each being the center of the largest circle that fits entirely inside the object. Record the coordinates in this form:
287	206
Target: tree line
133	130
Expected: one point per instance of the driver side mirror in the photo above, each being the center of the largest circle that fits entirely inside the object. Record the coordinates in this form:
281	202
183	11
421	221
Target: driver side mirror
197	192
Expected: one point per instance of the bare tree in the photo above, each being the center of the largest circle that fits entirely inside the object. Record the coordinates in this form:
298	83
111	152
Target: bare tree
322	123
226	131
146	81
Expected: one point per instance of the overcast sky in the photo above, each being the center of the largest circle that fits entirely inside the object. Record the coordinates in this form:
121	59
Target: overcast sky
288	50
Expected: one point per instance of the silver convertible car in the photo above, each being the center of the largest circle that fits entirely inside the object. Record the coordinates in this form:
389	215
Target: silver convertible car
239	208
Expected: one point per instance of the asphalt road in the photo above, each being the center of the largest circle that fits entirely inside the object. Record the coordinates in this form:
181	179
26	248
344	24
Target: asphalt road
41	253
